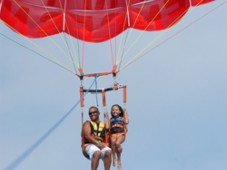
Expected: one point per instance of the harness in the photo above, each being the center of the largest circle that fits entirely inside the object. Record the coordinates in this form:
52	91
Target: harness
116	125
97	131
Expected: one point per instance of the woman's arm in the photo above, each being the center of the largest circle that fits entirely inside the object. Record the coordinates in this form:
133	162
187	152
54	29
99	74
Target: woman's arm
125	117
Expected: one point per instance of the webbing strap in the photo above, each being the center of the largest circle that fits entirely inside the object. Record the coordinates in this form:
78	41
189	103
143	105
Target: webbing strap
103	97
124	94
81	96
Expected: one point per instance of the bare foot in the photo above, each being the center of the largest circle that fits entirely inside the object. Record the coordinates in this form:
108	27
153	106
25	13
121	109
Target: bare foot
114	161
118	164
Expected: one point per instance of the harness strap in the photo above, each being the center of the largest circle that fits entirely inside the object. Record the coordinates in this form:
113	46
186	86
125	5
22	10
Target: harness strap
81	96
103	97
124	94
117	125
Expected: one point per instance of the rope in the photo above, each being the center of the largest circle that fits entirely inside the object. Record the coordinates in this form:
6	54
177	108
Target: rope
40	28
13	165
49	38
145	50
135	41
35	52
124	39
110	37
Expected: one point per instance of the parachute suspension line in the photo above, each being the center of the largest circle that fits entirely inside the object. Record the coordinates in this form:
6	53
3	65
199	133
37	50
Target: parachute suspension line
84	29
122	55
65	24
65	27
51	58
172	36
71	55
150	22
143	51
40	28
78	51
128	34
186	27
77	63
149	44
82	57
35	52
127	2
51	18
138	14
64	39
134	42
37	46
110	41
122	51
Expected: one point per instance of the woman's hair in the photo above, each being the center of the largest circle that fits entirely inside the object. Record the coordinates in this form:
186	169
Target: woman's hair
120	108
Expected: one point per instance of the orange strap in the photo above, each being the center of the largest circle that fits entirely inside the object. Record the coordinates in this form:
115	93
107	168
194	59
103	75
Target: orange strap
104	97
117	125
124	94
81	96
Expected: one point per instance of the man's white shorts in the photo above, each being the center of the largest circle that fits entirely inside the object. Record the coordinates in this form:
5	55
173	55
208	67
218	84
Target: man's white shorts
91	149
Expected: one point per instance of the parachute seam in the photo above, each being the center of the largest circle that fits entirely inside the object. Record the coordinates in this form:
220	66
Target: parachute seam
1	6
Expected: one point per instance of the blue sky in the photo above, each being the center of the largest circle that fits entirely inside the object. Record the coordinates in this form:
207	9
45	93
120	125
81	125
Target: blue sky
177	100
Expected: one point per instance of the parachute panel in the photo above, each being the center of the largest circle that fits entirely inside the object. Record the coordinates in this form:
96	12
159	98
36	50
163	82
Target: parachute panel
91	20
32	20
158	15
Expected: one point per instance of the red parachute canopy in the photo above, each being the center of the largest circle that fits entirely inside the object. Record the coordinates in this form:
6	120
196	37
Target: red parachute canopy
91	20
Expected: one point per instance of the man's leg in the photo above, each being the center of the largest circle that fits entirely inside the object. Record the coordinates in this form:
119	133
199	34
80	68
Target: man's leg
95	160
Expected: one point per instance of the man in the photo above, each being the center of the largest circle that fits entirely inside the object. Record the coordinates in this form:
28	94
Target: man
93	140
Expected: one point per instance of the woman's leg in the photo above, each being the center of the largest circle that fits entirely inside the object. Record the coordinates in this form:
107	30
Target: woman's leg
113	143
118	149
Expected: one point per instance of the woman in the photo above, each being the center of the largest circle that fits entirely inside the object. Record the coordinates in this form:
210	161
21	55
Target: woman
118	130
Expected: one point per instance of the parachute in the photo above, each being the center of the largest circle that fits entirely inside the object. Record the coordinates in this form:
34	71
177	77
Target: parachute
91	20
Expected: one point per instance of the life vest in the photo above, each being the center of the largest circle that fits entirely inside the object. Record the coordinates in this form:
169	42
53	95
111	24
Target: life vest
97	131
117	125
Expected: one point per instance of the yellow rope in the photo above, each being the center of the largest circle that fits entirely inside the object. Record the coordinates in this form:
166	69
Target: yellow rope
51	39
142	51
136	40
75	62
50	56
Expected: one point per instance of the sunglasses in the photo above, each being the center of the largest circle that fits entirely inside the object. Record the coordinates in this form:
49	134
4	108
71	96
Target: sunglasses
90	113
